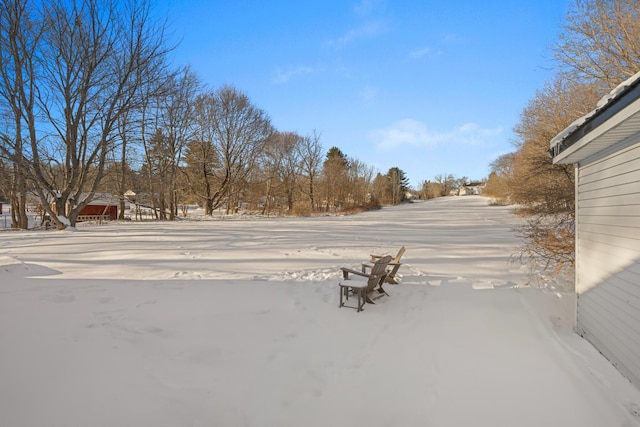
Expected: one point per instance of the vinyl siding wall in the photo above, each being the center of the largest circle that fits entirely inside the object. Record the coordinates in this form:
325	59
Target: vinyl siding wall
608	255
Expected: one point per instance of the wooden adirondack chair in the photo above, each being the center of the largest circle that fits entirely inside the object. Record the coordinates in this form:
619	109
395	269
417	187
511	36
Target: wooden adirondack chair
395	265
362	289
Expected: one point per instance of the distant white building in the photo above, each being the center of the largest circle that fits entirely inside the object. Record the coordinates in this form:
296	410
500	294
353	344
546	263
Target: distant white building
471	189
604	145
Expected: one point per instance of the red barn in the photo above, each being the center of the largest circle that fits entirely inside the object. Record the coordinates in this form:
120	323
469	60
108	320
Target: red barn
104	207
98	208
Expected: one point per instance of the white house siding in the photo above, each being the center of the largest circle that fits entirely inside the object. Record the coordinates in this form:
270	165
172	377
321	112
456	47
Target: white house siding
607	252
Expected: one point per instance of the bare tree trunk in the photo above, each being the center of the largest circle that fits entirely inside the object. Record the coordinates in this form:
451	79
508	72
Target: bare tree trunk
17	75
310	154
236	132
92	57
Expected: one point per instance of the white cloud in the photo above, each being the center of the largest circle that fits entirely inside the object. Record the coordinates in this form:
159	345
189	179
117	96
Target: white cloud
284	75
365	31
369	94
452	38
414	133
425	51
364	8
420	52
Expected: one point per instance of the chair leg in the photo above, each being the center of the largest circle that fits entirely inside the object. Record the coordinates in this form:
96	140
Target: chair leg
361	293
381	290
367	299
391	276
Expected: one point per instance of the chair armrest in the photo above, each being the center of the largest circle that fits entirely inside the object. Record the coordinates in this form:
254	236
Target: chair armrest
366	265
346	271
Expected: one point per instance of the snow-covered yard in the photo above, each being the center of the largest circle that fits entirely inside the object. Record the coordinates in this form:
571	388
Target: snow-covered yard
236	323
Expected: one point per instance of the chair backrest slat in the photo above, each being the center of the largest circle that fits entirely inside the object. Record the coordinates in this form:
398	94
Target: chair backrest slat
379	269
399	255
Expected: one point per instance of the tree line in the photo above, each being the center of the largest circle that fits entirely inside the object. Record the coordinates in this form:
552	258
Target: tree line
597	49
89	102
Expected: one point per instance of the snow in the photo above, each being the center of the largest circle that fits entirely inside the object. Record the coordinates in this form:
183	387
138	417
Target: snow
236	323
611	96
572	127
618	90
64	220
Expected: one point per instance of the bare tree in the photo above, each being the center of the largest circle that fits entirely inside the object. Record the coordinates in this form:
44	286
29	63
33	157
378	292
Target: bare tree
500	178
282	165
360	177
598	48
537	183
601	41
132	126
379	190
157	167
121	177
82	67
447	183
20	34
5	180
543	191
310	154
171	119
201	164
236	132
391	188
430	190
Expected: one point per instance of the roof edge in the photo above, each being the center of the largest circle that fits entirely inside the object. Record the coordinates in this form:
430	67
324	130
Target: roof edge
618	99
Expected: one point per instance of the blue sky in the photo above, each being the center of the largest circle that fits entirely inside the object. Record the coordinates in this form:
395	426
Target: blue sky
430	87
